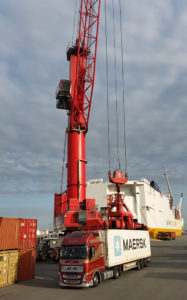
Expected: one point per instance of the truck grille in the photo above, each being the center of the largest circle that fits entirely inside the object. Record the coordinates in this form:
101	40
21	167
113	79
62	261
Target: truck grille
72	276
72	281
72	269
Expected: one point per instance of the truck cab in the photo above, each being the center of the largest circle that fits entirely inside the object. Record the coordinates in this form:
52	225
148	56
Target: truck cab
81	259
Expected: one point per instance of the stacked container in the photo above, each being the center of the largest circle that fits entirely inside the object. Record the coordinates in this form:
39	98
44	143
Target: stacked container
8	267
27	252
17	249
9	233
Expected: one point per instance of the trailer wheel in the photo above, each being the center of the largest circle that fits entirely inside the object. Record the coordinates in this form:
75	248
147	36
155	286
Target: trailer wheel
138	266
145	262
95	280
141	263
116	273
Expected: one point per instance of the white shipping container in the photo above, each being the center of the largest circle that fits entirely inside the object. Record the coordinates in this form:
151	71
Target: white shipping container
123	246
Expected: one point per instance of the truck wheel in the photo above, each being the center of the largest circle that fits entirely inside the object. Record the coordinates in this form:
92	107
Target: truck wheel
138	266
43	257
95	280
116	273
145	262
55	259
141	263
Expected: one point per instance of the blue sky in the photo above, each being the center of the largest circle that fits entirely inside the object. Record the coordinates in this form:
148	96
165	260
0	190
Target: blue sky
34	36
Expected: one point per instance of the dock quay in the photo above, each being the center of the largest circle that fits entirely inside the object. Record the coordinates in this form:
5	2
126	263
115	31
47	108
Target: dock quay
164	278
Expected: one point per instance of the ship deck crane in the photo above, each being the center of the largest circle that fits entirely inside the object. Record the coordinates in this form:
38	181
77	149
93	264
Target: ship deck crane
169	189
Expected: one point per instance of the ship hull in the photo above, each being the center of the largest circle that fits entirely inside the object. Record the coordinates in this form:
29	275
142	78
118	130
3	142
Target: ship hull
153	232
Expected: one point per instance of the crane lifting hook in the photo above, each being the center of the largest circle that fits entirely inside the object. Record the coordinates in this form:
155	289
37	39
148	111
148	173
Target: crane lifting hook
118	178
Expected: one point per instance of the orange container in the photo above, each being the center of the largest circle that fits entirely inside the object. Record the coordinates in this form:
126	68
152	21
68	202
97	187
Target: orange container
9	233
28	228
26	264
16	233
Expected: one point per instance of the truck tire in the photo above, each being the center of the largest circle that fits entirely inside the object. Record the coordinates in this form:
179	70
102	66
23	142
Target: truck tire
138	266
141	263
116	273
145	262
96	280
43	257
55	258
56	255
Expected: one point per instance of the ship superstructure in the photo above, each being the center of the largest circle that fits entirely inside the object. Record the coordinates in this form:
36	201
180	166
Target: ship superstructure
146	202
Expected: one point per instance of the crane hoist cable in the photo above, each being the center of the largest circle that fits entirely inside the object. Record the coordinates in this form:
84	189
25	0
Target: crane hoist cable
123	83
116	85
76	20
63	162
107	89
75	17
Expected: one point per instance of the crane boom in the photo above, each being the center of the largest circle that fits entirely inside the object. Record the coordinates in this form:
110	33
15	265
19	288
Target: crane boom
86	63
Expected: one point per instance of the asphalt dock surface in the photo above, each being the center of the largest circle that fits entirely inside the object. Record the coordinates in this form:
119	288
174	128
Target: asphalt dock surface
164	278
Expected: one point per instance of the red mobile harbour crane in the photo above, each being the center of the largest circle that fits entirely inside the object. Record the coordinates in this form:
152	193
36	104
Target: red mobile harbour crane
94	248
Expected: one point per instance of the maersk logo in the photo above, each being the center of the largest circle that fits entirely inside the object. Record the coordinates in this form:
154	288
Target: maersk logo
117	245
132	244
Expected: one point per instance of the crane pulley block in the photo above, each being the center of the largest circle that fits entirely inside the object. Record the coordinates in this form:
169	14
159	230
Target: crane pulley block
74	51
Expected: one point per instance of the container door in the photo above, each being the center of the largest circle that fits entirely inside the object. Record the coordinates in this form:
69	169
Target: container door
12	266
3	268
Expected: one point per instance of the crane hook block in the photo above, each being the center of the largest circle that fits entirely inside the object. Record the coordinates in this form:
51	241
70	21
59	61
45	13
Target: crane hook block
118	177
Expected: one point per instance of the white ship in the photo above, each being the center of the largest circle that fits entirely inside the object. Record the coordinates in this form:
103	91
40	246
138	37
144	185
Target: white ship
147	204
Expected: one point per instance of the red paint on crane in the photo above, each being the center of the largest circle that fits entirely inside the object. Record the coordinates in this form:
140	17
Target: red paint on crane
76	166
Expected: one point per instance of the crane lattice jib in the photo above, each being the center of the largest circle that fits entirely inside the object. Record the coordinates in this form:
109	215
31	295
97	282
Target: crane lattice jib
86	63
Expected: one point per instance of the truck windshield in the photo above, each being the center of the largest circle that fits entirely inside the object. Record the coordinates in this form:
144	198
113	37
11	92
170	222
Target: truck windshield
74	252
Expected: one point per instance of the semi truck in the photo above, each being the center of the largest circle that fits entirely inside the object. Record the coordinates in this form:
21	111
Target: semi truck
89	257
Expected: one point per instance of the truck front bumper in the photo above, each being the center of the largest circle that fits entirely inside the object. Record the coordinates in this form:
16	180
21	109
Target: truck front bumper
82	285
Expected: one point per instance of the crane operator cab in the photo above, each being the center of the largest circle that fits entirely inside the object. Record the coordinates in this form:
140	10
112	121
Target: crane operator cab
63	94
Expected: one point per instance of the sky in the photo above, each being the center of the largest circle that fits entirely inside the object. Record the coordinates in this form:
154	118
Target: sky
34	36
